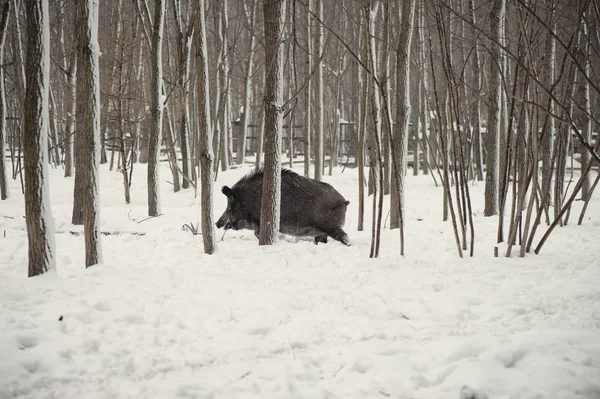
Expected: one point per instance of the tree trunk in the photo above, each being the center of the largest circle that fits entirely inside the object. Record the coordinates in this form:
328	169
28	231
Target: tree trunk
585	120
38	215
156	111
362	128
549	133
171	151
318	86
493	120
88	124
224	81
308	92
4	192
249	70
475	104
184	47
205	149
403	111
71	105
274	16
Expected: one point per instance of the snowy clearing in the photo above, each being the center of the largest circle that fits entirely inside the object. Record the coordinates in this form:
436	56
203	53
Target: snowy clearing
159	319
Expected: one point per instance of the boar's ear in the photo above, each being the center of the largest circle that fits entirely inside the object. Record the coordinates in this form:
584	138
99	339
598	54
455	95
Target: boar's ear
227	191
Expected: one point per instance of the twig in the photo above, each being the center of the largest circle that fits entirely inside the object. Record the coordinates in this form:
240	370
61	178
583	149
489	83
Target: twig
149	217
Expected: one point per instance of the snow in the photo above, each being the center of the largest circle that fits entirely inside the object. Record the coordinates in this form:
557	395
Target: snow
160	319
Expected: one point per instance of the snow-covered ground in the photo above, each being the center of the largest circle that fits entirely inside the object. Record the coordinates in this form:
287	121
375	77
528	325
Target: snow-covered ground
159	319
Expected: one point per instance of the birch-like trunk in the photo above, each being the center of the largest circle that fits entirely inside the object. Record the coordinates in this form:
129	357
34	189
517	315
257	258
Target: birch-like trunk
88	124
384	78
156	111
38	214
403	110
585	120
493	121
274	16
205	149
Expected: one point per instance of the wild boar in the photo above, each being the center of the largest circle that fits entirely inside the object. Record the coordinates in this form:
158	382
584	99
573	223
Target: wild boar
309	208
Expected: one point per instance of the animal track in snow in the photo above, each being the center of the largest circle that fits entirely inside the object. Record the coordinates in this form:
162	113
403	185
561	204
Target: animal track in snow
102	306
27	341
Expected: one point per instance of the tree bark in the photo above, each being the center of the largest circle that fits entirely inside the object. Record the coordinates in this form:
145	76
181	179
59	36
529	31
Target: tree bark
249	70
205	148
88	125
403	109
156	111
184	47
4	191
308	102
493	120
475	103
38	214
274	16
71	105
318	87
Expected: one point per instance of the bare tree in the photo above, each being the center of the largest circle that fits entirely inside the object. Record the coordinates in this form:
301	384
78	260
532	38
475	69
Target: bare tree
400	137
156	110
248	71
88	124
184	48
308	105
318	92
38	215
71	106
493	120
4	192
362	128
205	148
475	104
274	15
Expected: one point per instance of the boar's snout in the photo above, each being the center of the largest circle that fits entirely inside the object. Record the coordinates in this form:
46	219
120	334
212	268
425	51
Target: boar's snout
223	222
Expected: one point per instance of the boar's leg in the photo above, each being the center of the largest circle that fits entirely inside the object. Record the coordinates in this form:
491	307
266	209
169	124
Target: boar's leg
321	238
339	235
336	233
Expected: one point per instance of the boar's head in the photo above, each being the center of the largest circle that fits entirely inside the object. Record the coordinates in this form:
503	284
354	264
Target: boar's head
235	216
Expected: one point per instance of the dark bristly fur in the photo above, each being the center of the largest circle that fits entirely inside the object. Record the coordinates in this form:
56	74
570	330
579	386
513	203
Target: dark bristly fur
308	207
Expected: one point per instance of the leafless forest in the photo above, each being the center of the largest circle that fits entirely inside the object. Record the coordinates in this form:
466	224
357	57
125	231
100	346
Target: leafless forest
501	91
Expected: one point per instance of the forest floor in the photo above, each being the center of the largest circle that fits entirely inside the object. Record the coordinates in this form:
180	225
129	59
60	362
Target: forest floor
160	319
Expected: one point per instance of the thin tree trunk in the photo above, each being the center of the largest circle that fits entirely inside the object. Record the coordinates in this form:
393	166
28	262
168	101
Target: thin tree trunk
585	112
308	92
362	127
249	70
475	104
261	134
156	111
71	105
319	87
205	149
4	191
171	151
